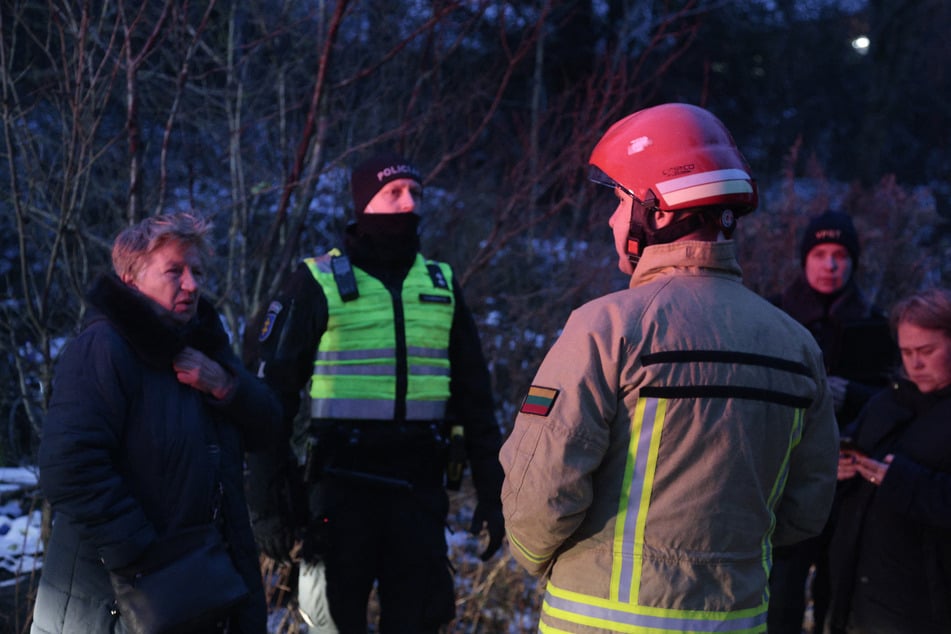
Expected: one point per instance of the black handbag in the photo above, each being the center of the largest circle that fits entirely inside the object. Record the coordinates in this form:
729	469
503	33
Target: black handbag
195	585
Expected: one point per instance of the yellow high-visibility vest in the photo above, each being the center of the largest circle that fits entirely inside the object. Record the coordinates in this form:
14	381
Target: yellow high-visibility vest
380	348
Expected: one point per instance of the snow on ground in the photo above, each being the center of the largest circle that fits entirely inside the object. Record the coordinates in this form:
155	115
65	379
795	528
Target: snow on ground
20	544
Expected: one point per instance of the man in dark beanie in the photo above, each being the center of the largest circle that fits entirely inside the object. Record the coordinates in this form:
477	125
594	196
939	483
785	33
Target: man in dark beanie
832	227
369	177
383	342
859	355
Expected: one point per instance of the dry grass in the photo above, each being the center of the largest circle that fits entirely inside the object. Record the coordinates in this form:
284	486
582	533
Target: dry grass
491	597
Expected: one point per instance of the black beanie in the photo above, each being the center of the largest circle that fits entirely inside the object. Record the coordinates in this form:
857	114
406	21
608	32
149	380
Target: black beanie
370	176
831	226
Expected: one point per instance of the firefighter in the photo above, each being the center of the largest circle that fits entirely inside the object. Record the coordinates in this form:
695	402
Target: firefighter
679	428
389	355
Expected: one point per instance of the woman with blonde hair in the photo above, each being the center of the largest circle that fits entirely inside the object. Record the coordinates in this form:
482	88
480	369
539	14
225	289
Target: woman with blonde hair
142	452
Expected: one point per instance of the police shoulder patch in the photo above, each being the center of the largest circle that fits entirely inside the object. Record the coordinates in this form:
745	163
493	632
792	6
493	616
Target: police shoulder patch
273	310
539	400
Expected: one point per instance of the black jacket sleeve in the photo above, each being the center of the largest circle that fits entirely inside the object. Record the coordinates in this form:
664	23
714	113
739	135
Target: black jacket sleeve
82	434
471	403
285	348
252	407
294	323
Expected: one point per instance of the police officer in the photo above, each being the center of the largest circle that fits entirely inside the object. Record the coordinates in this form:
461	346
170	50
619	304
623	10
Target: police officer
389	355
678	428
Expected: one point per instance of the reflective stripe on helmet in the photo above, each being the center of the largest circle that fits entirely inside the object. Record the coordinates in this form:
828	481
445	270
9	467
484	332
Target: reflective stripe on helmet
685	189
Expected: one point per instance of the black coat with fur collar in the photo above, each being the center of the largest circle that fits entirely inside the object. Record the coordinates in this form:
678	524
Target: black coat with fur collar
129	455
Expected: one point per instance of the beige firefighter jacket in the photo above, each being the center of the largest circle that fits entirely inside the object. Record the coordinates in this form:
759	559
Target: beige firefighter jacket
674	432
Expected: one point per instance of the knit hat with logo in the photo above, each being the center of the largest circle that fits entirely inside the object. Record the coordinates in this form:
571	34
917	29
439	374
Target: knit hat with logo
831	226
371	175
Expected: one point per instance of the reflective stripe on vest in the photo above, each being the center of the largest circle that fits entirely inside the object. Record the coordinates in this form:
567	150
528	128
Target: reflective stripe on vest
361	354
563	609
570	611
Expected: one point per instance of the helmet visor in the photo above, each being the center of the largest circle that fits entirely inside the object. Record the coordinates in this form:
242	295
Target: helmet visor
597	175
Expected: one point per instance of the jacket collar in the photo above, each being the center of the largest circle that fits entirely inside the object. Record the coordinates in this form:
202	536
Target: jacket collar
154	338
907	394
679	257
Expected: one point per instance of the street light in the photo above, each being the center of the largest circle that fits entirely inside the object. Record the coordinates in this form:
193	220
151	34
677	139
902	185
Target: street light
860	44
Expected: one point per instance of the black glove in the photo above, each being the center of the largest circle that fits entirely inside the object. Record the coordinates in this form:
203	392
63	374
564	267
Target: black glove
489	515
276	500
274	537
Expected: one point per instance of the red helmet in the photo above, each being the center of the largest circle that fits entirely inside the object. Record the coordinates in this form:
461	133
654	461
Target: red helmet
679	155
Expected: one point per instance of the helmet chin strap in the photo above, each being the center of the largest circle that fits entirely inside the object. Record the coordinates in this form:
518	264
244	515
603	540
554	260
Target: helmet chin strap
636	241
641	234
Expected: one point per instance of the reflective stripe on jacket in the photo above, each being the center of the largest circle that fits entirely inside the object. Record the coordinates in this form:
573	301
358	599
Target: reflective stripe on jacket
673	432
381	351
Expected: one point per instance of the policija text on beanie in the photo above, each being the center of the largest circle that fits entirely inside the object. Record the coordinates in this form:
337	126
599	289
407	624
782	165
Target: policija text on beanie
370	176
831	226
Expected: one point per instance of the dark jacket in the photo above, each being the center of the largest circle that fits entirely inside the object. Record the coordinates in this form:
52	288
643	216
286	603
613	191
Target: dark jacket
127	456
892	543
286	353
854	337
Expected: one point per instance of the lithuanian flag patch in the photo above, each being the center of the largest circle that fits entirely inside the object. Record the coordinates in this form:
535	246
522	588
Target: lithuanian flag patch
539	400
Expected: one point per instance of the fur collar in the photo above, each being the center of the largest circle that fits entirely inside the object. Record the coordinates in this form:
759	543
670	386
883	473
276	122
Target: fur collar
154	338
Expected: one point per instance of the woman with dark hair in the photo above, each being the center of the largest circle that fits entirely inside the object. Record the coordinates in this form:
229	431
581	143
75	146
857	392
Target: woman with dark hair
891	550
143	445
